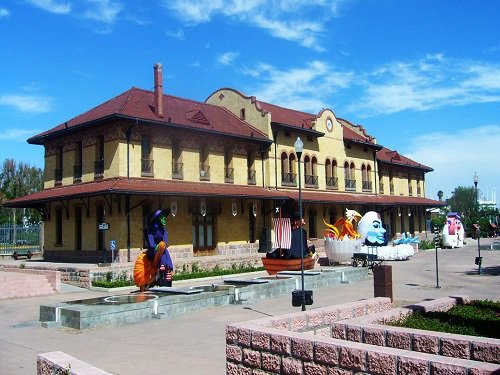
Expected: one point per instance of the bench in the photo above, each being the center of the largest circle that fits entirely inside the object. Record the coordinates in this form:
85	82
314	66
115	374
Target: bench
22	253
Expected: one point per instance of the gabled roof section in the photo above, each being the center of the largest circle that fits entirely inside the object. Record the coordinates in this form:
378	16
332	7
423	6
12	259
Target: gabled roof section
355	132
393	157
178	112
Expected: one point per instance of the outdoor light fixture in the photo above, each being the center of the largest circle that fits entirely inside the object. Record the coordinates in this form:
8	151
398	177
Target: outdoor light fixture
254	209
173	207
234	208
299	148
409	212
203	207
399	211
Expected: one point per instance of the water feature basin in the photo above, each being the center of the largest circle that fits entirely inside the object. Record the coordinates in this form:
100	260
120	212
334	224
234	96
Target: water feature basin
212	287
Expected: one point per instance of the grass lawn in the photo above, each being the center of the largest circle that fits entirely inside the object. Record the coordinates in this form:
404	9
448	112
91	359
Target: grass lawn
478	318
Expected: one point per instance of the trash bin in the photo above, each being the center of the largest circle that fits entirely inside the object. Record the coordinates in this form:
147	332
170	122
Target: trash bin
382	281
297	297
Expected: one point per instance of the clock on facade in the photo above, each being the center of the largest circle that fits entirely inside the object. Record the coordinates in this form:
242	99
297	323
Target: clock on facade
329	124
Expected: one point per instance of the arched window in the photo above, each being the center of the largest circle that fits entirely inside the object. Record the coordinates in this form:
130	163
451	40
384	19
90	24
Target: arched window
307	167
285	169
314	171
310	171
328	170
284	162
350	182
366	176
331	174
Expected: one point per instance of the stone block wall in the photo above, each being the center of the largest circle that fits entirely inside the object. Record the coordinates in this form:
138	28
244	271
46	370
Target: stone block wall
305	343
60	363
54	278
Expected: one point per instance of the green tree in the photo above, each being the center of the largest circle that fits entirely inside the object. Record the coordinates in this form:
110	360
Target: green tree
464	201
17	180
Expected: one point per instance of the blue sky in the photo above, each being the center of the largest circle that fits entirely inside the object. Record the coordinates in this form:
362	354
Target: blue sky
422	76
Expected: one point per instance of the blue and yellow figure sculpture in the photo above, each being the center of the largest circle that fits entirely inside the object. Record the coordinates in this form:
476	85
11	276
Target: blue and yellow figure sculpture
155	266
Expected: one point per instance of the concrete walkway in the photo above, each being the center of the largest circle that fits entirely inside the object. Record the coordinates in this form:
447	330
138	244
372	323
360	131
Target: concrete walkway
195	342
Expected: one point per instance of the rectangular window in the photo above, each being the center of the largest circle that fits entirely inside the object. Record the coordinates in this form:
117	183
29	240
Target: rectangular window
147	157
59	227
99	158
77	168
177	162
251	178
204	164
203	234
58	173
228	166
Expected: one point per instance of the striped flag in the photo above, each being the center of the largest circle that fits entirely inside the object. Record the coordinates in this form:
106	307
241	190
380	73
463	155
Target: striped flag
282	233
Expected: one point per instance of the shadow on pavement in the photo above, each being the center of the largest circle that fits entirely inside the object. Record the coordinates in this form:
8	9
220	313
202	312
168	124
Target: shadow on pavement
490	271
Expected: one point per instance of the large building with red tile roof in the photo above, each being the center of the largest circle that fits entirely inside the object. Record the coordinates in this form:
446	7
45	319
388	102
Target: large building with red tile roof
225	167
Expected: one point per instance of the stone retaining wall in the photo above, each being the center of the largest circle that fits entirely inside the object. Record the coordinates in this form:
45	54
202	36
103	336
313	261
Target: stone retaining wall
372	330
302	343
53	277
61	363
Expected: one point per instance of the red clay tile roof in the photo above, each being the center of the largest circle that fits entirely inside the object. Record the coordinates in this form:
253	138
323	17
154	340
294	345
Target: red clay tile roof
145	186
288	116
138	103
346	198
393	157
200	189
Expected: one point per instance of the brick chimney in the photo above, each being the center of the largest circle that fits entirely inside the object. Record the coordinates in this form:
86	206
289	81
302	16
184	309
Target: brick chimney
158	103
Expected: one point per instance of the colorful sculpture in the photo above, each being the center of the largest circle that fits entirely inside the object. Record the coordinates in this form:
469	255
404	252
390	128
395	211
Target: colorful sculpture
374	240
342	239
344	226
453	231
156	257
371	230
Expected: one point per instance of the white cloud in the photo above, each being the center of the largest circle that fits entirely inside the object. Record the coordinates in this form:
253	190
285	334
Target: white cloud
426	84
284	19
4	12
307	88
179	34
17	134
105	11
456	156
52	6
27	103
227	58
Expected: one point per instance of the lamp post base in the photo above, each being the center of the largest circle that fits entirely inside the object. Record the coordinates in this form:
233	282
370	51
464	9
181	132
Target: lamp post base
299	296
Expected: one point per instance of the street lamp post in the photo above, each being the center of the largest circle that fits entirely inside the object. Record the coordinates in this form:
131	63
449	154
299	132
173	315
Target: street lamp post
478	259
476	202
299	148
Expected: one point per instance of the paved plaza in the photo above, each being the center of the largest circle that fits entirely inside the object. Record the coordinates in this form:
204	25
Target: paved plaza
194	343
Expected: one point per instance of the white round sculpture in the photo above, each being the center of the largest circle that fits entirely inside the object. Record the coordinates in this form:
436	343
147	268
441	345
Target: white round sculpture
453	231
340	251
